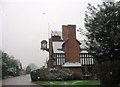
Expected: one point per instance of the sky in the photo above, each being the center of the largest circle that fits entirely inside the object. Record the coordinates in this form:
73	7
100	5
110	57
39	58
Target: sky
25	23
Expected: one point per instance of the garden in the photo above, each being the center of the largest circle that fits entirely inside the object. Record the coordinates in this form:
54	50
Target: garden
60	77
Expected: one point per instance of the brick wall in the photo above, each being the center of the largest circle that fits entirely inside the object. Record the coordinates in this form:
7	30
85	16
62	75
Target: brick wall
76	70
71	46
50	62
65	32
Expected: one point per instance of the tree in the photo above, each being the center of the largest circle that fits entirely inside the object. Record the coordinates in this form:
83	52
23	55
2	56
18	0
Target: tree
0	64
33	66
4	64
10	66
103	33
28	70
102	24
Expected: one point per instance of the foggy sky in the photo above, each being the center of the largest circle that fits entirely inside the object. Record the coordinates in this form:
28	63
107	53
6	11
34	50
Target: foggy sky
26	22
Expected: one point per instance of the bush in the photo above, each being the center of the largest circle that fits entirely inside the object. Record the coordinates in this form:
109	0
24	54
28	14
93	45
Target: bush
51	74
76	76
109	72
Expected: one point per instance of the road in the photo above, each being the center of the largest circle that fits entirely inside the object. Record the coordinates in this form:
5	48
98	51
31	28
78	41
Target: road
20	80
0	83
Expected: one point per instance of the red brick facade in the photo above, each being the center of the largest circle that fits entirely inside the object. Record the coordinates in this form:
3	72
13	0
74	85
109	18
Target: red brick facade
71	46
50	62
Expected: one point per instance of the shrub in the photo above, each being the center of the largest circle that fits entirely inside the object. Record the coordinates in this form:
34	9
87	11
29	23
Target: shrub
109	72
51	74
76	76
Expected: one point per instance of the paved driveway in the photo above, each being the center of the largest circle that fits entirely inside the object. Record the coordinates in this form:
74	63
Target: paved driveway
0	83
20	80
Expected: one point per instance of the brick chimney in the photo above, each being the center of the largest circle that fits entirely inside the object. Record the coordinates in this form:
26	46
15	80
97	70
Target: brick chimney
71	46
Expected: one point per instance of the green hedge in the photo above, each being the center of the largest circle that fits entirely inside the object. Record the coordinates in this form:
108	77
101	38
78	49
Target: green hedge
44	74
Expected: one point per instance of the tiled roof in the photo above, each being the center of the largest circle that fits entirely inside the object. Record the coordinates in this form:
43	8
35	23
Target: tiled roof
83	44
83	51
57	47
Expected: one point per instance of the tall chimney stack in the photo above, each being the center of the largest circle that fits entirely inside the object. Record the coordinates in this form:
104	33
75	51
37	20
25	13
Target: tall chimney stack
71	45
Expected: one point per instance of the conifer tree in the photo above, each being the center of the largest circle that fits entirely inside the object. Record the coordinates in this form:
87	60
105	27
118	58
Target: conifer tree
103	26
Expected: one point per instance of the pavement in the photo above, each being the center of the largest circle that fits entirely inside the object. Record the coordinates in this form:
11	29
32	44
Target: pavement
0	83
20	81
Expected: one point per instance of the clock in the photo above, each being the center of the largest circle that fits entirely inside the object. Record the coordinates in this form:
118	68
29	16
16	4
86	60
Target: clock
44	44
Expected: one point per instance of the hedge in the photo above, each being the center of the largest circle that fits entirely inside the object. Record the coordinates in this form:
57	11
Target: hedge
44	74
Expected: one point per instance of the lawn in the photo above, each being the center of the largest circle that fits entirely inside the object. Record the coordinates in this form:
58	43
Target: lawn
74	83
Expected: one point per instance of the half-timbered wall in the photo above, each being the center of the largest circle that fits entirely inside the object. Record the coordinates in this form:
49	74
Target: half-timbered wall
85	59
59	58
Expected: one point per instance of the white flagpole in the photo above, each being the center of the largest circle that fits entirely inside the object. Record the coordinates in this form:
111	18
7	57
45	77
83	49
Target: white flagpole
48	30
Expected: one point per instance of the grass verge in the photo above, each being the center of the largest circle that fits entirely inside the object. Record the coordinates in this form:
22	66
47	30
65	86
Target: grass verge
73	83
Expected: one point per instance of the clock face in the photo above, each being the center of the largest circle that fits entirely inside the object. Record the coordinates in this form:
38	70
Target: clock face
44	45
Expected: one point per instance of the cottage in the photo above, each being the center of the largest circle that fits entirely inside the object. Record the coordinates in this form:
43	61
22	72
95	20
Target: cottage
65	51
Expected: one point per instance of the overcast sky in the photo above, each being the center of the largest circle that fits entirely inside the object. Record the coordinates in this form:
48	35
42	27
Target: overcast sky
25	23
